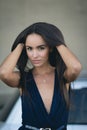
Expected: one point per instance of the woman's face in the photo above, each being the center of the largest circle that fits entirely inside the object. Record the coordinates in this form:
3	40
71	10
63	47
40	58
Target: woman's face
37	50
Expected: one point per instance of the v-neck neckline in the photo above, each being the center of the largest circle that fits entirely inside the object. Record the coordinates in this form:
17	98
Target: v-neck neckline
40	98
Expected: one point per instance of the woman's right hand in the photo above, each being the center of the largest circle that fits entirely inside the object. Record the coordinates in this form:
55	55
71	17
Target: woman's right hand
7	69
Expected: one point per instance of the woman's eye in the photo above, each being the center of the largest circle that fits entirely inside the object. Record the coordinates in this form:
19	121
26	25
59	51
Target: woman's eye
41	48
29	48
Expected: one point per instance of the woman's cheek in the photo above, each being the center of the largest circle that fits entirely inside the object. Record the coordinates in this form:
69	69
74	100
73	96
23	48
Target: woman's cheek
29	55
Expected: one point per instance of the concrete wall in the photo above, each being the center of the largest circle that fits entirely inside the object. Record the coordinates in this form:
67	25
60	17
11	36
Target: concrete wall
69	15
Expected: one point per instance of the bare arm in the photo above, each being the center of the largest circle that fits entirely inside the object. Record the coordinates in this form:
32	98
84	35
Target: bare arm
7	73
73	66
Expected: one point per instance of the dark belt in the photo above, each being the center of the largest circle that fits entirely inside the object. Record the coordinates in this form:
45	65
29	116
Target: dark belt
35	128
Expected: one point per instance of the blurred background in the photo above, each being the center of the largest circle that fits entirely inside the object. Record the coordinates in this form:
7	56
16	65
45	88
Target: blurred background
70	16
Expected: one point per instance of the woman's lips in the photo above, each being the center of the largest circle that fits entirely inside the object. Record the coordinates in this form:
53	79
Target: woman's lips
36	61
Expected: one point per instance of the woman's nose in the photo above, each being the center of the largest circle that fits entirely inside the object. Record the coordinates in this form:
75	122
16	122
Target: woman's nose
35	53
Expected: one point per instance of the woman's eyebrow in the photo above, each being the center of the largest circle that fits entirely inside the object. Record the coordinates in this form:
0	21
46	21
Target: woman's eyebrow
42	45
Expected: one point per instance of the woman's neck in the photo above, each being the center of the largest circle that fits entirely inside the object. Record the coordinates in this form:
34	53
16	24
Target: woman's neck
43	70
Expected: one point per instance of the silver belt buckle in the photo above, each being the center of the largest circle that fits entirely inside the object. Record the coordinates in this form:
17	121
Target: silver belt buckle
45	128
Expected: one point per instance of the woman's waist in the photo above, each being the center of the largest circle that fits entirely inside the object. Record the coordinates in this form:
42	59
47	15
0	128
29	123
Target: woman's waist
29	127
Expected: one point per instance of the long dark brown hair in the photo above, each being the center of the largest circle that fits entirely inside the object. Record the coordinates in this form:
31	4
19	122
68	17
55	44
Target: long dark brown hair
53	37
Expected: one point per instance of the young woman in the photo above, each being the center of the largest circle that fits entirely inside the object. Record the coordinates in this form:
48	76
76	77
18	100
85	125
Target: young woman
44	84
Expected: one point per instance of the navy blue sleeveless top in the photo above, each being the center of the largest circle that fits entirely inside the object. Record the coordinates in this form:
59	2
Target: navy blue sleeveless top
33	110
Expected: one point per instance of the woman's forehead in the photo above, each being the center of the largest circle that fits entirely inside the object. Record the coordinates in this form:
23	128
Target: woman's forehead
35	39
